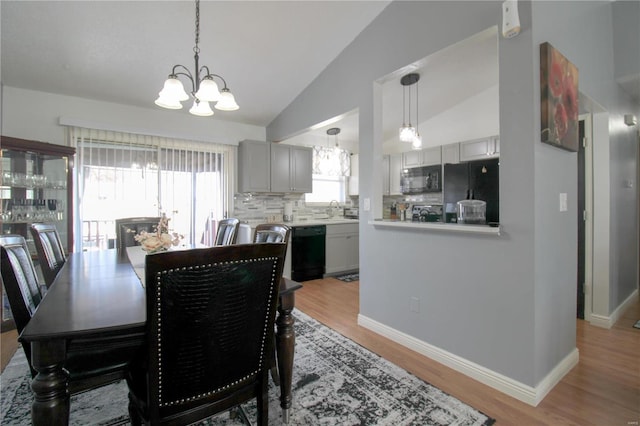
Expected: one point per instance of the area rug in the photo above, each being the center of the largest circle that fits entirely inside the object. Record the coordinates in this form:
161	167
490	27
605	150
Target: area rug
349	278
335	382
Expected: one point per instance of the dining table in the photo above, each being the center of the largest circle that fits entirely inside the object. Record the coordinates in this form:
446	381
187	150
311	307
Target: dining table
100	295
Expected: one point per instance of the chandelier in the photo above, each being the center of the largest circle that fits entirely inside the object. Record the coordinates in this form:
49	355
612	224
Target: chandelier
203	87
408	133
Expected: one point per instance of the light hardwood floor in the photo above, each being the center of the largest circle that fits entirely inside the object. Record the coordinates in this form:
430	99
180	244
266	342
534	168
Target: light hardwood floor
602	390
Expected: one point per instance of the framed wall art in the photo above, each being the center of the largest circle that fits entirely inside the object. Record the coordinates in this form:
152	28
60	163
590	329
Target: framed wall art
558	99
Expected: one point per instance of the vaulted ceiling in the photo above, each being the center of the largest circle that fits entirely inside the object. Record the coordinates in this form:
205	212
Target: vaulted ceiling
122	51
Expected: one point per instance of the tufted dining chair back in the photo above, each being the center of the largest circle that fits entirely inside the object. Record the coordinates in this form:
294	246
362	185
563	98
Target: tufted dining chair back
127	228
51	255
227	232
210	331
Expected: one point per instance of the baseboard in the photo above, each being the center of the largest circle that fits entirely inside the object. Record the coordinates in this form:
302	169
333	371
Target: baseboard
608	321
525	393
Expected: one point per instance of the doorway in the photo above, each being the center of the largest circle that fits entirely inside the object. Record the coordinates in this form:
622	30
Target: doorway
582	220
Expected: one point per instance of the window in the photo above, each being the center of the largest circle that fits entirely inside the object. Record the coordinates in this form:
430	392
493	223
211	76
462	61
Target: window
124	175
331	168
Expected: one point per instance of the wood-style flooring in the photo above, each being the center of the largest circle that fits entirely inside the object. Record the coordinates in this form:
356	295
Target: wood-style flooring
602	390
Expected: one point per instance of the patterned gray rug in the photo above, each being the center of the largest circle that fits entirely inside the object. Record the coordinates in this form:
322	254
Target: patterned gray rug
336	382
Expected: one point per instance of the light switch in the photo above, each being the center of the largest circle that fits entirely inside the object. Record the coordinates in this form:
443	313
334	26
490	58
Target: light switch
563	201
367	204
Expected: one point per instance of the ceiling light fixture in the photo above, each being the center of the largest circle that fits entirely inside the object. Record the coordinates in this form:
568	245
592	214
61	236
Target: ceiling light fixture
334	131
407	131
203	89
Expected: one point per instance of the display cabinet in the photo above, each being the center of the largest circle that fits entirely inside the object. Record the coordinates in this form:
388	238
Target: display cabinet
36	182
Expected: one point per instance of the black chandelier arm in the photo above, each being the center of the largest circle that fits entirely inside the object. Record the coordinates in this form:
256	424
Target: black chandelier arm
186	73
210	74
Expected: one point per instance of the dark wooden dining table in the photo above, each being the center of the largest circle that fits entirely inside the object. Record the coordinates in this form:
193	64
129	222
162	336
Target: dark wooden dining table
97	294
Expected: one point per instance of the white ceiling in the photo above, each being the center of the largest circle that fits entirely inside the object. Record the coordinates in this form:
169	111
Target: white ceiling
122	51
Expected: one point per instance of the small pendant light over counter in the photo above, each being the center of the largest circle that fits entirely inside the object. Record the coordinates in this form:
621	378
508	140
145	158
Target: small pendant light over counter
408	133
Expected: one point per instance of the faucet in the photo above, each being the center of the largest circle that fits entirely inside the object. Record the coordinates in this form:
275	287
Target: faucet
330	210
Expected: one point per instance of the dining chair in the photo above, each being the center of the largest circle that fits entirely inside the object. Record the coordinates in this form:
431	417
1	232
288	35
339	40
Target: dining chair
227	232
51	255
272	233
210	331
127	228
90	362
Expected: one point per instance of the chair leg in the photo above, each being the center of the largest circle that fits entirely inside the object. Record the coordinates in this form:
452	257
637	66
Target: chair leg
134	417
263	404
274	368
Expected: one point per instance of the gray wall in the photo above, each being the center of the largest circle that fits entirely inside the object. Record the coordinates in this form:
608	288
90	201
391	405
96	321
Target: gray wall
507	303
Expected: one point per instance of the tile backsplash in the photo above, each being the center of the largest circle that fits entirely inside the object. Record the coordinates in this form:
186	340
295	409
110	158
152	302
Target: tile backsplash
270	207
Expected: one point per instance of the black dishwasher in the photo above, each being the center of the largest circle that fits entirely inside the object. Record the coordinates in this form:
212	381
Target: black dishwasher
307	252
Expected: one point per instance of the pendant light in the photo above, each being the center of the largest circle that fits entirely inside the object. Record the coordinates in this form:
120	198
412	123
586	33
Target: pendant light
407	131
416	142
203	89
334	131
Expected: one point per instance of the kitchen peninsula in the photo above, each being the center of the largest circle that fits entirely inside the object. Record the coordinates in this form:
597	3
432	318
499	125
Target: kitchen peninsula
436	226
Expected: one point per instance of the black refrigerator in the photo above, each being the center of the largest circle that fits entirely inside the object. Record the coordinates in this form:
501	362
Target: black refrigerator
473	179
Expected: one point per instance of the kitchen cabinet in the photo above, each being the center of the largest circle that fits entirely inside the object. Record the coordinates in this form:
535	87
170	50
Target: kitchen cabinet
451	153
254	159
342	248
291	168
395	172
480	149
386	183
271	167
354	179
422	157
391	174
36	186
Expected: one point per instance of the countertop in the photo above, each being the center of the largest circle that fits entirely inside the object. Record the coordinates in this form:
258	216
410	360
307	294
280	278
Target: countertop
310	222
436	226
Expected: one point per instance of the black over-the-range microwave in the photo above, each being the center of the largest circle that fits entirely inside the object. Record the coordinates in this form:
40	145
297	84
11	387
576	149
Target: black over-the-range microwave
419	180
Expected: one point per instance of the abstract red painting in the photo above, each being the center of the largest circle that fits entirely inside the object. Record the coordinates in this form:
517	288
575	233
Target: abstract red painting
559	99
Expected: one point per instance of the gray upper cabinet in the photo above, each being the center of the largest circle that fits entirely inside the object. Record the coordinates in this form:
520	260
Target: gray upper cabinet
395	170
254	171
291	168
391	171
422	157
480	149
451	153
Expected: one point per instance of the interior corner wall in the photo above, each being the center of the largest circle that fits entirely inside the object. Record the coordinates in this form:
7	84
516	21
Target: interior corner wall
476	293
585	32
35	115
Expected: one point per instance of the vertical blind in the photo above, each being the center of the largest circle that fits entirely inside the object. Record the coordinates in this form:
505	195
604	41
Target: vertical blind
129	175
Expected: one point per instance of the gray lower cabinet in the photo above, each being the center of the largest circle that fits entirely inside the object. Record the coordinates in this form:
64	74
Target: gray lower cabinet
342	248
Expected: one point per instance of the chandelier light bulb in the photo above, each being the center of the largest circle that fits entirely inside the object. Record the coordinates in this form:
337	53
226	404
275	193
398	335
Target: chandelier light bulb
227	101
201	108
208	90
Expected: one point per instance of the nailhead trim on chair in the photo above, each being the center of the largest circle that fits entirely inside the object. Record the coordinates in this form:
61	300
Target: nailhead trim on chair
158	311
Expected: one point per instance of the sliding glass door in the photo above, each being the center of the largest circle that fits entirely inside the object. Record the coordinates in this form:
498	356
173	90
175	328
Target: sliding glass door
187	182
